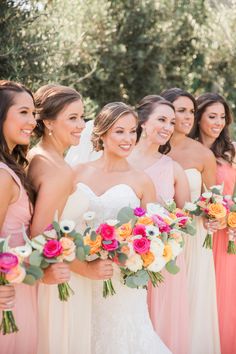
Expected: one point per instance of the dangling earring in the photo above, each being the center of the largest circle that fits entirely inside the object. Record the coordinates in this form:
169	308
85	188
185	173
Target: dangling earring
50	133
144	133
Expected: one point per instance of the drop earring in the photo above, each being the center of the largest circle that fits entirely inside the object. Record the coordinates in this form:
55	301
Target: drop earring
144	134
50	133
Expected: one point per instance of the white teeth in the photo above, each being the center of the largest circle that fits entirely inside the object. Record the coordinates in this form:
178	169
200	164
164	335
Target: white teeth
125	147
26	131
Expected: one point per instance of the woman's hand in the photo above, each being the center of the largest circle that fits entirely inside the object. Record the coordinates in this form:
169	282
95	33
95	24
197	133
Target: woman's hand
99	269
56	273
211	225
7	297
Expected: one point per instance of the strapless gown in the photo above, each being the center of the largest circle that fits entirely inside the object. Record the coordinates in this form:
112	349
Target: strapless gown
225	266
204	330
168	303
120	323
65	327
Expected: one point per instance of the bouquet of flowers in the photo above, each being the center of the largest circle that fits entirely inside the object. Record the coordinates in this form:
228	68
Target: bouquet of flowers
154	239
141	242
104	243
14	269
58	243
231	223
212	205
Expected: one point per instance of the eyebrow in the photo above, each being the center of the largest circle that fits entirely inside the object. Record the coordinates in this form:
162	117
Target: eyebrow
24	107
165	117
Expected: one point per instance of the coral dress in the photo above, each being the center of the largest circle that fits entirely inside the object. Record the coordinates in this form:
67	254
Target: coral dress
204	330
225	267
168	303
25	310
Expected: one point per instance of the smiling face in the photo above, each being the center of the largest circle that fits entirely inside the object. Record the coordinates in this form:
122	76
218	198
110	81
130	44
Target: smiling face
160	124
212	121
184	113
20	121
121	138
68	125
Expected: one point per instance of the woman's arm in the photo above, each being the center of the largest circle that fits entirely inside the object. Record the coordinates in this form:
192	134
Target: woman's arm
148	191
209	169
182	190
9	192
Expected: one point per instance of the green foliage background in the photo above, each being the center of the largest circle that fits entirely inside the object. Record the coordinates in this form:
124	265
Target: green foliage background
120	50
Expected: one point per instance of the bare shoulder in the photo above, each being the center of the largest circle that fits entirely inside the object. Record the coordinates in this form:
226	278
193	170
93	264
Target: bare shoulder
177	167
141	176
6	180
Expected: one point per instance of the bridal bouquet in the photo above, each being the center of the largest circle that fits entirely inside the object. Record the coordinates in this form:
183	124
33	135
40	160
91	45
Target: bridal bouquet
231	223
15	269
154	240
212	205
58	243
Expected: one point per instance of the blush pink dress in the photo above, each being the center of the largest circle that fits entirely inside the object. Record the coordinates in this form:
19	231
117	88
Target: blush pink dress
25	310
168	303
225	267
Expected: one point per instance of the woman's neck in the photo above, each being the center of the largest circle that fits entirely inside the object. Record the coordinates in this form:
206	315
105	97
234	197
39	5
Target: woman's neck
146	148
113	163
177	139
51	145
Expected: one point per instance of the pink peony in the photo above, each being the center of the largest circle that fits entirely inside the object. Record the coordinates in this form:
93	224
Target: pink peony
7	262
107	232
139	211
111	246
52	248
141	245
160	222
139	230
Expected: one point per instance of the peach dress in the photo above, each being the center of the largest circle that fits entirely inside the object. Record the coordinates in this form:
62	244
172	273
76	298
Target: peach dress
225	267
25	310
168	303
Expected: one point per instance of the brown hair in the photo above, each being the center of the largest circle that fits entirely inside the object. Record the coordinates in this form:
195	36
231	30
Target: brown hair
144	109
222	146
174	93
106	119
50	101
16	160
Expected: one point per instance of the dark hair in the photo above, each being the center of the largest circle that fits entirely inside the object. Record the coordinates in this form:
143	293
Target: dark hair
174	93
144	109
222	146
49	101
15	160
107	117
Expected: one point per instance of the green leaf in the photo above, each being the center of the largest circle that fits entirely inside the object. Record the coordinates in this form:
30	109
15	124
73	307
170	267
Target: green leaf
122	257
93	236
36	272
172	268
29	279
129	281
86	250
233	207
35	258
57	227
80	253
190	229
125	215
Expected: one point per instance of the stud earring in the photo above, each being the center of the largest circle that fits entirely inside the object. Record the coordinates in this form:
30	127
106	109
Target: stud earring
50	133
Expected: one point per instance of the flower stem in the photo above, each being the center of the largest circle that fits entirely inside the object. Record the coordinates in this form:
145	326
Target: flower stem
108	288
208	240
231	247
65	291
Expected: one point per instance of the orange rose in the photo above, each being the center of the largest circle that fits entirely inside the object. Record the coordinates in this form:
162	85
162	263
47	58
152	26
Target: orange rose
95	246
125	249
16	275
145	220
147	258
167	253
125	230
232	219
67	245
216	211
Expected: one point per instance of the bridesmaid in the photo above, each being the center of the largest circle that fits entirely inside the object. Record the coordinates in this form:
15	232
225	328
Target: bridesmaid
168	302
16	125
64	328
200	166
211	128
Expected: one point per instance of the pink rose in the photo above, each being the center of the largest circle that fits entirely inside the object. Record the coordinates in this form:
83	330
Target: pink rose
7	262
111	246
183	219
139	230
52	248
160	222
141	245
139	211
107	232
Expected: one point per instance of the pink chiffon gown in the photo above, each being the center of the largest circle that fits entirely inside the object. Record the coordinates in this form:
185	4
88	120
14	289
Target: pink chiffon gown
225	267
25	310
168	303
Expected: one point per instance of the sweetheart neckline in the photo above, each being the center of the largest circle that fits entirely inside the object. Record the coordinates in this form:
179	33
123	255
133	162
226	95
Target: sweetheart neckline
110	188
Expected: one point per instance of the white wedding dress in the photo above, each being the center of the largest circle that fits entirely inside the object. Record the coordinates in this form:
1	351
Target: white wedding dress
204	331
65	327
120	323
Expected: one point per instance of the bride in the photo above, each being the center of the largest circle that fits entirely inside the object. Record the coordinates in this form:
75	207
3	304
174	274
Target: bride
120	323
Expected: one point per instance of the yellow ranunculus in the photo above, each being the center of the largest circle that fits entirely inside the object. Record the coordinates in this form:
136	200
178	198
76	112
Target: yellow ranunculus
147	258
95	246
167	253
217	211
232	219
125	230
145	220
